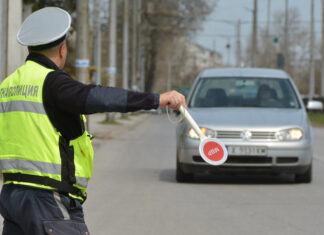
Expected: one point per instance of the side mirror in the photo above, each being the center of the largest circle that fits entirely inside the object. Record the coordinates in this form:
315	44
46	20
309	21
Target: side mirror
313	105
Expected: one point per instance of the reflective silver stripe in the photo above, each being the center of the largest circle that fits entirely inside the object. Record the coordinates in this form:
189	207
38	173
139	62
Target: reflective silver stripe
23	106
49	168
83	182
63	209
18	164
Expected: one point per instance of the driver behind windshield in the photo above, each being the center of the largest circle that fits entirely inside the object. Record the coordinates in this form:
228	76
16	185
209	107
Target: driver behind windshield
267	97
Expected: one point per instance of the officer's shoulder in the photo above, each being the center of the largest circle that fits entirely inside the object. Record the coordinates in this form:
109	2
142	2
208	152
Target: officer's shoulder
56	78
59	74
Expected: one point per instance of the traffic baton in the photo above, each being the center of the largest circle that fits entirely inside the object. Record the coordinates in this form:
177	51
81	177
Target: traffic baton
212	150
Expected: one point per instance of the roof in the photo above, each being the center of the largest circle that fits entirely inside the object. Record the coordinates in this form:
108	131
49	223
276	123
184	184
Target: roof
244	72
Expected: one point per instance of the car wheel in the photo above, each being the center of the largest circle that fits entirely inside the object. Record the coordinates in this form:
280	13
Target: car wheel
182	176
305	177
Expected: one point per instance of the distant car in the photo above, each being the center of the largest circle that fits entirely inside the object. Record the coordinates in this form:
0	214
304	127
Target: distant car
316	100
260	117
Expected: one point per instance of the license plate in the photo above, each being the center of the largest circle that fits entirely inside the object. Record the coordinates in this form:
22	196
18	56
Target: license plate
247	150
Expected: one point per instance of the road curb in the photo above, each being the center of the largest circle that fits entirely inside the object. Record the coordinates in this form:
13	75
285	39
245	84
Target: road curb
105	132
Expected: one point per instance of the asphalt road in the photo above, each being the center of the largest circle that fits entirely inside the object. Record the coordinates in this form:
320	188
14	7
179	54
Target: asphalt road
133	191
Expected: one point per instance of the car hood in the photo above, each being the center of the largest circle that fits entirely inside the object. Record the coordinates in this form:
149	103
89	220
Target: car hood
262	118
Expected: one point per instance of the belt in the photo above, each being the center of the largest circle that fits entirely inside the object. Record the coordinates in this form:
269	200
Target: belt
62	187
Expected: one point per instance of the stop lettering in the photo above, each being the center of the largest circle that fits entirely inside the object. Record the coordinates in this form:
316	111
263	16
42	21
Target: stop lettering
213	151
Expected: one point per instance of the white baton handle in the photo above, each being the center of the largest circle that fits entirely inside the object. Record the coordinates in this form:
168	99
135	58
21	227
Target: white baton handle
192	122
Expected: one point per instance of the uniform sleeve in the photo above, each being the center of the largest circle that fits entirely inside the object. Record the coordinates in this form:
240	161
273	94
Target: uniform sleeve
74	97
111	99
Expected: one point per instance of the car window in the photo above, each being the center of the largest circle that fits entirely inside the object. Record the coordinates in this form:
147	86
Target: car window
244	92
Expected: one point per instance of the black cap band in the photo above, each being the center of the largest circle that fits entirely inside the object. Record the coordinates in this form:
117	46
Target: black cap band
49	45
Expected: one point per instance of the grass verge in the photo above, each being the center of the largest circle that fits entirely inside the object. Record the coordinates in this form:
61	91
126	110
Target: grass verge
135	114
124	118
316	118
108	122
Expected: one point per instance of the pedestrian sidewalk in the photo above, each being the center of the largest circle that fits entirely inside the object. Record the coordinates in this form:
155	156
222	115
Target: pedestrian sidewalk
103	132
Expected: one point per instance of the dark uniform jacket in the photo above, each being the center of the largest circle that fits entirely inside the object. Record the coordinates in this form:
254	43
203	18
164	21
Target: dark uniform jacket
65	99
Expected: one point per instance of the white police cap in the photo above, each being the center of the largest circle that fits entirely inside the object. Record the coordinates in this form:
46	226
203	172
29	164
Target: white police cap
44	28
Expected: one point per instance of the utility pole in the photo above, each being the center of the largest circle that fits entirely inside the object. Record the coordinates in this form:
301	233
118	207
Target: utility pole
3	37
170	62
238	45
134	43
214	44
141	43
97	49
82	61
112	42
254	35
16	54
268	34
322	51
286	35
125	44
169	75
214	50
125	47
312	61
112	69
228	47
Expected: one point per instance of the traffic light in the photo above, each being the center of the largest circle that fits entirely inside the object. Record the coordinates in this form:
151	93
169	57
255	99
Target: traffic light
280	61
275	40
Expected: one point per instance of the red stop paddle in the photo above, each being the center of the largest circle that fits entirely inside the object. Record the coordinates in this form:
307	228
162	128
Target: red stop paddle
212	150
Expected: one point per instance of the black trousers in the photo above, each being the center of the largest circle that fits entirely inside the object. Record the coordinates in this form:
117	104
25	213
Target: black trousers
32	211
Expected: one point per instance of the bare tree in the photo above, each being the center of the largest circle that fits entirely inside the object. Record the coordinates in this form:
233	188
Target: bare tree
298	44
165	21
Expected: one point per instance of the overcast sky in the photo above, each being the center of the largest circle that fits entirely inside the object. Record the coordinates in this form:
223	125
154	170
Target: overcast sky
234	10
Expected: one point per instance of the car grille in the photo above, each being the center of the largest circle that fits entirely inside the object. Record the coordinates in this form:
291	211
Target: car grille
229	134
197	159
254	160
263	135
241	160
248	160
255	135
286	160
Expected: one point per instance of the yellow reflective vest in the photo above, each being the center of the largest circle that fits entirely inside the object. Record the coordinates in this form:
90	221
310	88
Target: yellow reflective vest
32	151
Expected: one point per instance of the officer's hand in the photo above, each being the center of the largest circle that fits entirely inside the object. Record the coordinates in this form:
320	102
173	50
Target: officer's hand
173	99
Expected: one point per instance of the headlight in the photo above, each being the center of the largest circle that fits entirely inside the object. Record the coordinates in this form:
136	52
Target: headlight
292	134
207	132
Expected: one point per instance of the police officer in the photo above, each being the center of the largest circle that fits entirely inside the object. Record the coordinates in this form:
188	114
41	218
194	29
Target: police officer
46	154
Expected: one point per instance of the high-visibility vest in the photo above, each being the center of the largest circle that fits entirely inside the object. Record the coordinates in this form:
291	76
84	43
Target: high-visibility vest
32	151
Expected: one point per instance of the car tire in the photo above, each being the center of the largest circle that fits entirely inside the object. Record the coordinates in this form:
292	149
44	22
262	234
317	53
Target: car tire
181	176
304	177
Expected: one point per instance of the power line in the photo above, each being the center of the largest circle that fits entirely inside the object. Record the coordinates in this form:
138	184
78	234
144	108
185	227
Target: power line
260	22
246	34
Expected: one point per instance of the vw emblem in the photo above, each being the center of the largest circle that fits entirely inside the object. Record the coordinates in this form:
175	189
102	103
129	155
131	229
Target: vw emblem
246	135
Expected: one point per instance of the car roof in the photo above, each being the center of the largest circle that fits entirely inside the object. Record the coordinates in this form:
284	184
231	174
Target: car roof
245	72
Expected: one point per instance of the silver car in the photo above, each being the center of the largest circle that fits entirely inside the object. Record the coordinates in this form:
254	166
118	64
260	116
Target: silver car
260	117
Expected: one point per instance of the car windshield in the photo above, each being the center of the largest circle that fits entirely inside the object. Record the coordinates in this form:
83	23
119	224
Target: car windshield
244	92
